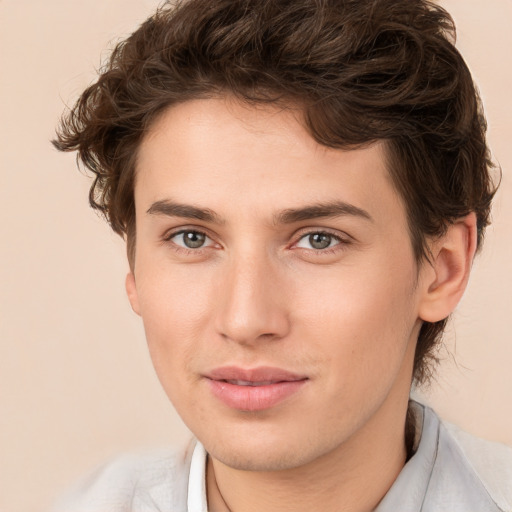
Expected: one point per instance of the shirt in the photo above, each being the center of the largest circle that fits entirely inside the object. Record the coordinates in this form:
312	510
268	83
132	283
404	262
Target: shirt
450	471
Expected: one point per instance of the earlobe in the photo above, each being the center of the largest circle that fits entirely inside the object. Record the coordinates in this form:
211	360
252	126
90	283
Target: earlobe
131	291
450	268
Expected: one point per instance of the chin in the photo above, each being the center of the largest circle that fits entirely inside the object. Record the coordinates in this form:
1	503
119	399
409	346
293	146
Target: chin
267	449
262	460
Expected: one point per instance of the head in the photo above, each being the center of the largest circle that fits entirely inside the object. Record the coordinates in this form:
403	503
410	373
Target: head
355	75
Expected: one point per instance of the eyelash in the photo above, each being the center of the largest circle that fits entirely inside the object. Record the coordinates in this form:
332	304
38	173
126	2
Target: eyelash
341	241
167	238
341	244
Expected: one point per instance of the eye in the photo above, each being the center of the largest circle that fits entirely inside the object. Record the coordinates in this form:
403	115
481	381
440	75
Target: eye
190	239
318	241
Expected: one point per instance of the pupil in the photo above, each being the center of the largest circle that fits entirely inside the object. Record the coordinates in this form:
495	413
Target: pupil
320	240
193	239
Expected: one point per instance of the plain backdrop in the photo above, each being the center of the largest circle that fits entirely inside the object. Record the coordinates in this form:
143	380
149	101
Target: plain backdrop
76	383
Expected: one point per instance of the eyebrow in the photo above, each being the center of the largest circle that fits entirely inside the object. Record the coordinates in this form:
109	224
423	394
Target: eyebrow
322	210
172	209
287	216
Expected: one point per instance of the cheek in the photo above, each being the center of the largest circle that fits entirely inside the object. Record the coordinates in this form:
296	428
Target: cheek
361	323
174	298
175	309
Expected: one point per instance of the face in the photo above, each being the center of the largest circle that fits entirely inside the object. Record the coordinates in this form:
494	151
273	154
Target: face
276	281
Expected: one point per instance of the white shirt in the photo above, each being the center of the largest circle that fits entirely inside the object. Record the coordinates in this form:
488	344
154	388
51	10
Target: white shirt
451	471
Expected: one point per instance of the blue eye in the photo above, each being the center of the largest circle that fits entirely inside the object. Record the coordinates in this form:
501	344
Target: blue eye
318	241
190	239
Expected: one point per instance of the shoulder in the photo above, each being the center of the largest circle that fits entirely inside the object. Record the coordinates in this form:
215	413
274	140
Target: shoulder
142	482
451	471
465	472
491	463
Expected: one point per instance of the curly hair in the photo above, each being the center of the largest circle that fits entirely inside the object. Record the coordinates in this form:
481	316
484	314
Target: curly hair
361	71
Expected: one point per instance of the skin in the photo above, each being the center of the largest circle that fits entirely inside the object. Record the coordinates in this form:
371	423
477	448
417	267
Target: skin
258	293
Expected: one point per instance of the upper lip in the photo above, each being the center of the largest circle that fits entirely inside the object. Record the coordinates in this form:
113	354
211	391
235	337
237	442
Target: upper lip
259	374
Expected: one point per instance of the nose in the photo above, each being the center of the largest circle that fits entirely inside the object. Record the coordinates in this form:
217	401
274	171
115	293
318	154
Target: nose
252	302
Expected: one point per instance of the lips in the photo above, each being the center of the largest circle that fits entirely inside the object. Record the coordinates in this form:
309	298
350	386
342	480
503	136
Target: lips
253	389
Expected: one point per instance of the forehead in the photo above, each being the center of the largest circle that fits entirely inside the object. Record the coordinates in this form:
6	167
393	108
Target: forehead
234	158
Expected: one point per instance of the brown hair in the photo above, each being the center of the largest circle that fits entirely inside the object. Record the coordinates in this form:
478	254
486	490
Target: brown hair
361	70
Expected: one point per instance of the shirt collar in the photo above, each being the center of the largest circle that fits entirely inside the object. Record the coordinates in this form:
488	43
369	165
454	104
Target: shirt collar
197	501
410	488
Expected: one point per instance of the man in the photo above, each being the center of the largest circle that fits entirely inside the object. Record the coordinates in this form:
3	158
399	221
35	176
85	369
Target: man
302	186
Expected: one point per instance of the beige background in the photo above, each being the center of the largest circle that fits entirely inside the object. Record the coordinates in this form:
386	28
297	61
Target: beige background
76	384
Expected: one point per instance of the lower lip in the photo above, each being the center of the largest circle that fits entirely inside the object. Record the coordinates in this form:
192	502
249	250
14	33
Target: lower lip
254	398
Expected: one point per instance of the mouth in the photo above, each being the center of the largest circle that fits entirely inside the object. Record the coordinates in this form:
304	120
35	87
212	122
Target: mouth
254	389
249	383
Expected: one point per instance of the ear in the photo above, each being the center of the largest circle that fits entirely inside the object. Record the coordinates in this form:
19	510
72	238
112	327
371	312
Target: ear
448	275
131	291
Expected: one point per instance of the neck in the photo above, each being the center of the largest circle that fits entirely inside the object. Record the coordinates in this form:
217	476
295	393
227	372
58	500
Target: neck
354	477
